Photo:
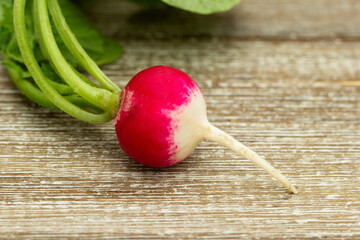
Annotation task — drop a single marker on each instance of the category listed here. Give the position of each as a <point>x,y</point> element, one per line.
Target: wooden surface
<point>281,76</point>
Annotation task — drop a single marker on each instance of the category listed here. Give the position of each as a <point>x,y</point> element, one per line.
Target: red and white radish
<point>163,117</point>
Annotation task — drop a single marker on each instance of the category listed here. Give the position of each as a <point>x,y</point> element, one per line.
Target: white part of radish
<point>192,126</point>
<point>189,121</point>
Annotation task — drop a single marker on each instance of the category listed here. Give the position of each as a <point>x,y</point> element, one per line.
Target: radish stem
<point>213,133</point>
<point>76,49</point>
<point>30,90</point>
<point>39,77</point>
<point>97,96</point>
<point>27,88</point>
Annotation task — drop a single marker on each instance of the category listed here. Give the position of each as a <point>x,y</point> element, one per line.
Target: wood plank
<point>281,76</point>
<point>287,100</point>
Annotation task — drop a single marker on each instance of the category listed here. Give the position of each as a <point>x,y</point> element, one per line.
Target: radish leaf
<point>203,6</point>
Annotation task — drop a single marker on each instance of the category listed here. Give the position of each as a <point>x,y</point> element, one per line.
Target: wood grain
<point>280,76</point>
<point>252,19</point>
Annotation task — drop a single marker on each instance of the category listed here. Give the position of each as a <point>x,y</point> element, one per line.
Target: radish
<point>162,114</point>
<point>163,117</point>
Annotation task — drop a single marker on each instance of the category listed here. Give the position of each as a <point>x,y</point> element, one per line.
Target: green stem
<point>45,53</point>
<point>63,89</point>
<point>34,93</point>
<point>96,96</point>
<point>28,89</point>
<point>38,75</point>
<point>79,101</point>
<point>76,49</point>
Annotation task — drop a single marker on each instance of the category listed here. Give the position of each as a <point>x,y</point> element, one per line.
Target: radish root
<point>214,134</point>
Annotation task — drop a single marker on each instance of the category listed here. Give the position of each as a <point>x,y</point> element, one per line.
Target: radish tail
<point>213,133</point>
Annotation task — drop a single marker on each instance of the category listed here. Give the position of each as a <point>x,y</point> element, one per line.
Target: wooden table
<point>281,76</point>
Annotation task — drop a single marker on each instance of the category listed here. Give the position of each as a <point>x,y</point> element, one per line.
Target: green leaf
<point>148,2</point>
<point>5,5</point>
<point>112,51</point>
<point>88,36</point>
<point>30,90</point>
<point>203,6</point>
<point>6,23</point>
<point>99,47</point>
<point>5,36</point>
<point>13,50</point>
<point>196,6</point>
<point>50,73</point>
<point>8,44</point>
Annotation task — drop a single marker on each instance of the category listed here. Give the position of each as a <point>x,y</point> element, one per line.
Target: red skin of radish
<point>145,124</point>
